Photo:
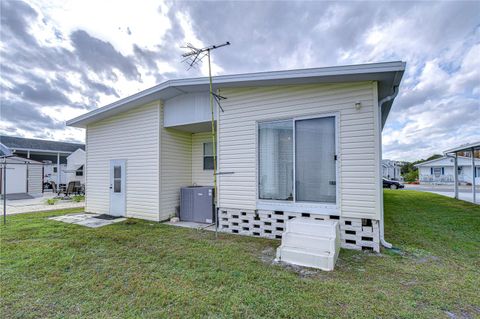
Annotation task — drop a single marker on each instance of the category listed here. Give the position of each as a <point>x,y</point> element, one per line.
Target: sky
<point>60,59</point>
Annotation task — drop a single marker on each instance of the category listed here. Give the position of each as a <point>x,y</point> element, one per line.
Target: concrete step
<point>312,227</point>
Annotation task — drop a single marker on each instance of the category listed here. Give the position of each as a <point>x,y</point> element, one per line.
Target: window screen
<point>275,143</point>
<point>315,179</point>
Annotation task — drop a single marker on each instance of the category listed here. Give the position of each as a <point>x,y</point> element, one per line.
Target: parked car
<point>392,184</point>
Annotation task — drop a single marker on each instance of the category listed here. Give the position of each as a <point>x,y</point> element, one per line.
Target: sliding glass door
<point>315,173</point>
<point>296,159</point>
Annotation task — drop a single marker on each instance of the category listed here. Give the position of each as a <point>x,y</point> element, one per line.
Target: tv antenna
<point>193,57</point>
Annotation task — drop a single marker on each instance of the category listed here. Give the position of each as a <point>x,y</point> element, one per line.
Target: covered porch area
<point>473,149</point>
<point>186,153</point>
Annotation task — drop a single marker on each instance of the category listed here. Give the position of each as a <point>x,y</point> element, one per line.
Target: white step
<point>312,227</point>
<point>310,243</point>
<point>296,256</point>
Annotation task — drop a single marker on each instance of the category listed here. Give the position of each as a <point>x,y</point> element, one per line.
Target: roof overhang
<point>428,163</point>
<point>40,152</point>
<point>387,74</point>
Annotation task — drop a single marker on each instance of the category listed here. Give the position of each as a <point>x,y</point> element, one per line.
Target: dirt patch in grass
<point>268,256</point>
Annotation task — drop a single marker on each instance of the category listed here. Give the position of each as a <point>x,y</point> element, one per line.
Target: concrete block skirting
<point>355,233</point>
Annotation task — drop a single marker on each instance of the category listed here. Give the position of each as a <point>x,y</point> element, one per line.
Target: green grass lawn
<point>145,269</point>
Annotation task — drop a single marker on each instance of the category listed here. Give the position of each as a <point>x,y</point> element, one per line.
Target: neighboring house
<point>52,154</point>
<point>289,144</point>
<point>392,170</point>
<point>441,171</point>
<point>24,176</point>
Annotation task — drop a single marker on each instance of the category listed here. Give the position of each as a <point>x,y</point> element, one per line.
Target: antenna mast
<point>193,57</point>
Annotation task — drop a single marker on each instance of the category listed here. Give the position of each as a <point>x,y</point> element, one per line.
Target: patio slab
<point>86,219</point>
<point>194,225</point>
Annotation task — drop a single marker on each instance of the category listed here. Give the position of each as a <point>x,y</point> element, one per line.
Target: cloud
<point>102,57</point>
<point>60,59</point>
<point>40,92</point>
<point>14,18</point>
<point>24,116</point>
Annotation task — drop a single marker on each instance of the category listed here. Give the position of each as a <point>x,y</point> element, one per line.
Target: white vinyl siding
<point>134,137</point>
<point>199,175</point>
<point>175,167</point>
<point>358,151</point>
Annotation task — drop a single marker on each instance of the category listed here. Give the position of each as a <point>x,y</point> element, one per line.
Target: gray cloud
<point>26,116</point>
<point>14,18</point>
<point>102,57</point>
<point>42,93</point>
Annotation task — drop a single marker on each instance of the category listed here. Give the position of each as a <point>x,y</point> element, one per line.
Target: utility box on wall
<point>196,204</point>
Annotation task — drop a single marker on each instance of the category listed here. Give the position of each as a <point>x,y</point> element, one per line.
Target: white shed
<point>23,176</point>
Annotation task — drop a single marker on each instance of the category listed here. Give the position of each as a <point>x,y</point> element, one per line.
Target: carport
<point>471,148</point>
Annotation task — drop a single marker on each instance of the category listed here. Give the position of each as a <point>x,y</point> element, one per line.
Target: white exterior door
<point>117,187</point>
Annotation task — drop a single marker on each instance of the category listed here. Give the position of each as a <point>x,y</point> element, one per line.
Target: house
<point>472,149</point>
<point>52,154</point>
<point>392,170</point>
<point>441,171</point>
<point>298,143</point>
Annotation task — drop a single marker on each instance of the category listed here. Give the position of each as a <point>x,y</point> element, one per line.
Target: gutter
<point>382,223</point>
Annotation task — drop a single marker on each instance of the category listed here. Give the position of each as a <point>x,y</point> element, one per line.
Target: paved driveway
<point>37,205</point>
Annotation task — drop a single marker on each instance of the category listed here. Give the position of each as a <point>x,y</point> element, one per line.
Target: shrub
<point>78,198</point>
<point>411,176</point>
<point>52,201</point>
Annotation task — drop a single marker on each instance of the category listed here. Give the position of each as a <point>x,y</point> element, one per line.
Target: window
<point>308,145</point>
<point>208,156</point>
<point>54,169</point>
<point>79,171</point>
<point>117,179</point>
<point>437,171</point>
<point>477,171</point>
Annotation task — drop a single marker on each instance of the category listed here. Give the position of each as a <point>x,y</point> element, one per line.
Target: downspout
<point>380,105</point>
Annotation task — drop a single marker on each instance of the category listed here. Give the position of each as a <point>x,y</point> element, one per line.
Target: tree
<point>411,176</point>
